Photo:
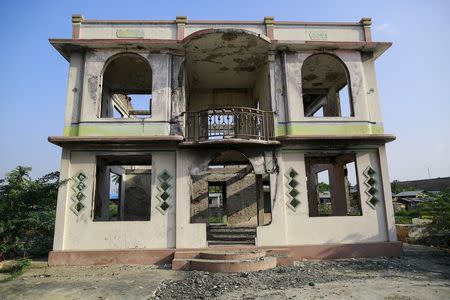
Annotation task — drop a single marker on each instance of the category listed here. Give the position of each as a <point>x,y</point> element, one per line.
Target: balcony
<point>229,123</point>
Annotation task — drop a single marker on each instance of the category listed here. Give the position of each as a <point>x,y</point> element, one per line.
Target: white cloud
<point>385,27</point>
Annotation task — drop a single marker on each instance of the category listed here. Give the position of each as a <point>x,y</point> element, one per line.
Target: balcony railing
<point>229,122</point>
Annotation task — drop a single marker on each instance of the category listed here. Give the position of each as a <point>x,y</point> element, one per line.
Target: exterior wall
<point>361,76</point>
<point>241,207</point>
<point>275,233</point>
<point>82,233</point>
<point>330,33</point>
<point>286,93</point>
<point>370,227</point>
<point>295,227</point>
<point>89,122</point>
<point>167,30</point>
<point>188,235</point>
<point>114,31</point>
<point>279,89</point>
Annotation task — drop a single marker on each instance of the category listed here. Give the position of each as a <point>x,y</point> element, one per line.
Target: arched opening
<point>228,94</point>
<point>127,87</point>
<point>231,198</point>
<point>326,87</point>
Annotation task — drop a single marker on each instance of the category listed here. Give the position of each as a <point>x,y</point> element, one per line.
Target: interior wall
<point>203,98</point>
<point>137,186</point>
<point>261,91</point>
<point>241,205</point>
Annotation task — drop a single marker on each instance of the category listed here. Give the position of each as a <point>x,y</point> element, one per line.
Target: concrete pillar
<point>293,73</point>
<point>74,91</point>
<point>63,201</point>
<point>101,208</point>
<point>337,190</point>
<point>188,235</point>
<point>259,199</point>
<point>387,195</point>
<point>313,198</point>
<point>272,88</point>
<point>161,70</point>
<point>92,84</point>
<point>178,95</point>
<point>275,233</point>
<point>332,106</point>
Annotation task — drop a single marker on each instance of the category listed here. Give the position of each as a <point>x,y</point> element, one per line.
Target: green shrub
<point>27,213</point>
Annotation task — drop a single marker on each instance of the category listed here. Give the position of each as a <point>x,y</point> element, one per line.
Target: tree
<point>323,187</point>
<point>27,212</point>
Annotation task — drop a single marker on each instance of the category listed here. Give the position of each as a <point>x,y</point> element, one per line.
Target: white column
<point>387,195</point>
<point>62,202</point>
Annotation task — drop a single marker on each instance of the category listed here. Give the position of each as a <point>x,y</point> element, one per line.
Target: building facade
<point>175,129</point>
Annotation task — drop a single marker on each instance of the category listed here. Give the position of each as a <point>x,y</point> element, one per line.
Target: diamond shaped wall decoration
<point>371,190</point>
<point>78,196</point>
<point>164,195</point>
<point>292,193</point>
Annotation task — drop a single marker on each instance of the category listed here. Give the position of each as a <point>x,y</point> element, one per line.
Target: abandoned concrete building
<point>182,137</point>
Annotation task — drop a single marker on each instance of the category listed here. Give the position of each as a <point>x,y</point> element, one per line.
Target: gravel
<point>417,263</point>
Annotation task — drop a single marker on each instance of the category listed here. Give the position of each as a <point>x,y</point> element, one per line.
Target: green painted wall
<point>117,129</point>
<point>328,129</point>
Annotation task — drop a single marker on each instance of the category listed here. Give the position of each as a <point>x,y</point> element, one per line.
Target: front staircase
<point>230,260</point>
<point>224,235</point>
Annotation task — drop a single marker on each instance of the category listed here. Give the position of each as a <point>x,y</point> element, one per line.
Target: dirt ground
<point>423,273</point>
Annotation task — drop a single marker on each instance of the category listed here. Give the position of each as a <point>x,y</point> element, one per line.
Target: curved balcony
<point>229,123</point>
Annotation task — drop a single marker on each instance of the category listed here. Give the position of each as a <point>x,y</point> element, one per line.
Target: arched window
<point>326,87</point>
<point>127,87</point>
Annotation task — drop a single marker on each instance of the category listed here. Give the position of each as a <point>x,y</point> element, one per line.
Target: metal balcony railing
<point>229,122</point>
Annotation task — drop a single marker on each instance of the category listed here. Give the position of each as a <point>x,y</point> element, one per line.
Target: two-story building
<point>221,135</point>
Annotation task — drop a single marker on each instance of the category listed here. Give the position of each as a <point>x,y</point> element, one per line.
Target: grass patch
<point>15,269</point>
<point>403,220</point>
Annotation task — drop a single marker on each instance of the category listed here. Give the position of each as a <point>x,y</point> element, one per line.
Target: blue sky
<point>412,76</point>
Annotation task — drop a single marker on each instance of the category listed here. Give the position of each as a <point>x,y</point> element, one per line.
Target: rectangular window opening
<point>332,185</point>
<point>123,188</point>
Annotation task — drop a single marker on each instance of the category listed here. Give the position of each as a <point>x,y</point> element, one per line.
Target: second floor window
<point>127,87</point>
<point>326,87</point>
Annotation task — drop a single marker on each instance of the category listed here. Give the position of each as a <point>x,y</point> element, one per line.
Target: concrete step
<point>229,266</point>
<point>232,242</point>
<point>232,255</point>
<point>231,229</point>
<point>230,237</point>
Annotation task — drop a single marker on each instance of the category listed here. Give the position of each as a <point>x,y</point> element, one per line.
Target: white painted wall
<point>307,32</point>
<point>303,230</point>
<point>82,233</point>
